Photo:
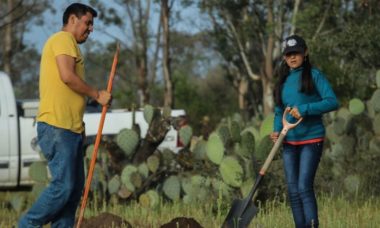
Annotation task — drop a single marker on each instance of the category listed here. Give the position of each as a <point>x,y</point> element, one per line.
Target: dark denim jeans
<point>301,163</point>
<point>58,202</point>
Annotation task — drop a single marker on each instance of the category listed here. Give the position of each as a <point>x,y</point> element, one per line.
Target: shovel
<point>242,211</point>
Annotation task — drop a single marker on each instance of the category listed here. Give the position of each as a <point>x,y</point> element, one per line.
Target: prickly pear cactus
<point>150,199</point>
<point>38,171</point>
<point>153,163</point>
<point>356,106</point>
<point>126,177</point>
<point>148,113</point>
<point>267,126</point>
<point>128,140</point>
<point>172,188</point>
<point>215,148</point>
<point>231,171</point>
<point>114,184</point>
<point>185,134</point>
<point>234,130</point>
<point>375,100</point>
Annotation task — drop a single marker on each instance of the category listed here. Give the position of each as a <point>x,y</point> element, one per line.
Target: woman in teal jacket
<point>307,92</point>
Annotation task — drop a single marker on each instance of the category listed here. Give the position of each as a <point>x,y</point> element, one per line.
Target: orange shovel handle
<point>97,141</point>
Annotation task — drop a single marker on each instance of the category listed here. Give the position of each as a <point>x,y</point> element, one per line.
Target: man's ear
<point>72,19</point>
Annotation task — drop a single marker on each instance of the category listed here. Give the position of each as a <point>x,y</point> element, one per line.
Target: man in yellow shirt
<point>60,119</point>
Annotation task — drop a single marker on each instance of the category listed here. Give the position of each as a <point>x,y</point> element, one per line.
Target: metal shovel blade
<point>240,214</point>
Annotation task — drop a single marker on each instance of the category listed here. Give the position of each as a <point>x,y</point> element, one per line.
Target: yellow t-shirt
<point>60,106</point>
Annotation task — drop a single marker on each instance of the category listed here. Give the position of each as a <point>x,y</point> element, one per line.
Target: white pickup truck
<point>18,133</point>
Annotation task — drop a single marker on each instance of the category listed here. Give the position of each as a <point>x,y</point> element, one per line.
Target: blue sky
<point>191,22</point>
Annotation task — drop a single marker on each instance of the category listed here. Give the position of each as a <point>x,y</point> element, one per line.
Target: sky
<point>39,34</point>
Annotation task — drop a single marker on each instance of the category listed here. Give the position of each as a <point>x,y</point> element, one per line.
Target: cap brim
<point>293,49</point>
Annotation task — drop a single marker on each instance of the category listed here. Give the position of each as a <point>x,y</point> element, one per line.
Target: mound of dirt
<point>182,222</point>
<point>105,220</point>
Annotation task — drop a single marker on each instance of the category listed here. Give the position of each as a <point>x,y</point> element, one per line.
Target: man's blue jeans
<point>301,163</point>
<point>58,202</point>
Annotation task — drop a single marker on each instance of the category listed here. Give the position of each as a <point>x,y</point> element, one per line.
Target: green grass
<point>334,212</point>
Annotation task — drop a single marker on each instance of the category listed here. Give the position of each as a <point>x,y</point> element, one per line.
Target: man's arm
<point>66,67</point>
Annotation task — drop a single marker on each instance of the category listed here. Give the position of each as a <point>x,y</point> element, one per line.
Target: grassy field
<point>335,212</point>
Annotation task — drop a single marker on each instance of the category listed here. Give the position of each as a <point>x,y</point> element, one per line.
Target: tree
<point>248,35</point>
<point>165,17</point>
<point>15,20</point>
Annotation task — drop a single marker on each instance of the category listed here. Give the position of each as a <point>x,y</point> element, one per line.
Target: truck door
<point>8,133</point>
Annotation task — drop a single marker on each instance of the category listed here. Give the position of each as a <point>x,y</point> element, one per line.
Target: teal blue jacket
<point>311,107</point>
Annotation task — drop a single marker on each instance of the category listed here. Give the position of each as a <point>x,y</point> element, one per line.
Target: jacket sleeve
<point>328,101</point>
<point>277,125</point>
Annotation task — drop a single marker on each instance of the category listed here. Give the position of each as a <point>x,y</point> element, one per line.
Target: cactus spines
<point>352,183</point>
<point>356,106</point>
<point>38,171</point>
<point>114,184</point>
<point>231,171</point>
<point>266,126</point>
<point>172,188</point>
<point>127,140</point>
<point>148,113</point>
<point>215,148</point>
<point>126,177</point>
<point>153,163</point>
<point>185,134</point>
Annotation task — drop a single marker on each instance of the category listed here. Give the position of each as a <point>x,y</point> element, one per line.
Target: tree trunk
<point>7,57</point>
<point>168,97</point>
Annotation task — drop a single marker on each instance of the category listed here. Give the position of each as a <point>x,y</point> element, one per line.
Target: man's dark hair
<point>78,10</point>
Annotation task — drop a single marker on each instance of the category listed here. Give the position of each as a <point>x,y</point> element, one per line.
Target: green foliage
<point>356,106</point>
<point>215,148</point>
<point>126,177</point>
<point>38,171</point>
<point>185,134</point>
<point>231,171</point>
<point>267,126</point>
<point>148,113</point>
<point>128,140</point>
<point>114,184</point>
<point>172,188</point>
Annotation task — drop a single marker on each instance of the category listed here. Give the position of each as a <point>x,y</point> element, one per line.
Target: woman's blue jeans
<point>58,202</point>
<point>301,163</point>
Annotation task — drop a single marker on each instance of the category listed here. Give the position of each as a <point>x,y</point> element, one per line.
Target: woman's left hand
<point>295,113</point>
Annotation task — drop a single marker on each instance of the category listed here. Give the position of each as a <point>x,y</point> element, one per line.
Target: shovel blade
<point>240,214</point>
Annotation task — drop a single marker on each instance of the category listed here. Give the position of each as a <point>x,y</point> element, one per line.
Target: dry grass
<point>335,212</point>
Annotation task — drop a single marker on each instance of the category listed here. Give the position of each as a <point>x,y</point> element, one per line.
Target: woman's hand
<point>274,136</point>
<point>295,113</point>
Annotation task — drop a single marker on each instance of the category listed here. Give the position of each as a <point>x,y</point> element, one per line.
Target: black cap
<point>294,43</point>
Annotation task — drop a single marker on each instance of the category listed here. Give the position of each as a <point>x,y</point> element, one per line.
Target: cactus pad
<point>215,148</point>
<point>231,171</point>
<point>128,140</point>
<point>356,106</point>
